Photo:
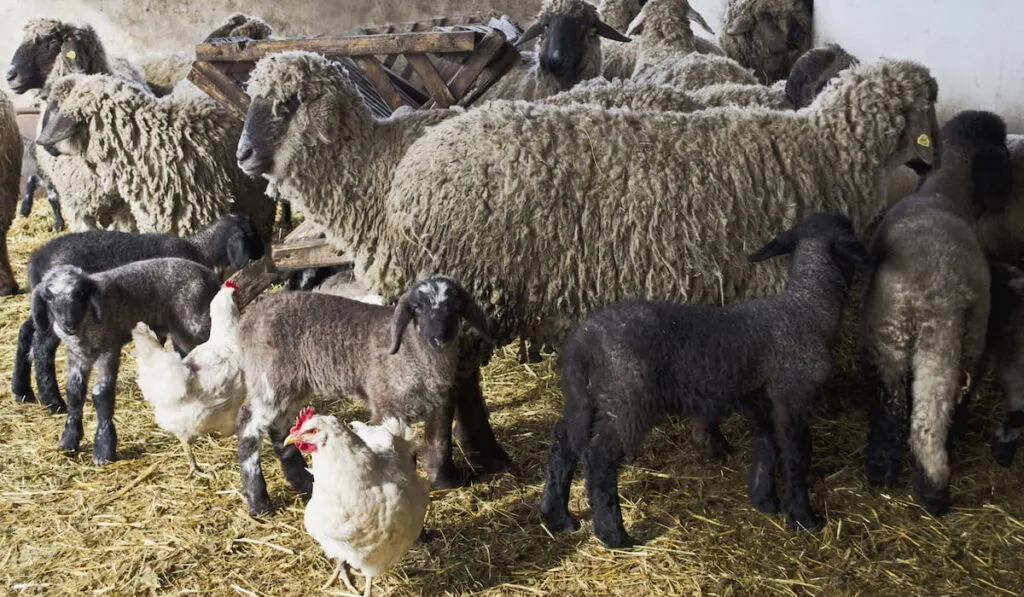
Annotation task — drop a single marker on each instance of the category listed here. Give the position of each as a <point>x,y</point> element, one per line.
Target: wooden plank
<point>366,45</point>
<point>220,87</point>
<point>490,74</point>
<point>305,254</point>
<point>490,47</point>
<point>254,278</point>
<point>379,77</point>
<point>307,230</point>
<point>440,93</point>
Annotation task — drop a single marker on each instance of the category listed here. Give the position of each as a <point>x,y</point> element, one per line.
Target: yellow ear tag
<point>924,141</point>
<point>71,54</point>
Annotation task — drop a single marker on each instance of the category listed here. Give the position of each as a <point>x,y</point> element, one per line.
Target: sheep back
<point>694,71</point>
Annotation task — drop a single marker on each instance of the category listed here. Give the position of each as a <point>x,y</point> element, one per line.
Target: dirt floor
<point>140,526</point>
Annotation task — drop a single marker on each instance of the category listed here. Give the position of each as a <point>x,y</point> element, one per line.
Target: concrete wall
<point>134,27</point>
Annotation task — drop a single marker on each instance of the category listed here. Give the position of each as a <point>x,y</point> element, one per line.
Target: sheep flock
<point>692,225</point>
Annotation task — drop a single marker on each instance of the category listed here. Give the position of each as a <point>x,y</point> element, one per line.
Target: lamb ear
<point>40,310</point>
<point>992,173</point>
<point>852,249</point>
<point>920,131</point>
<point>608,32</point>
<point>531,32</point>
<point>636,26</point>
<point>1017,285</point>
<point>238,252</point>
<point>472,313</point>
<point>694,16</point>
<point>403,315</point>
<point>780,245</point>
<point>95,300</point>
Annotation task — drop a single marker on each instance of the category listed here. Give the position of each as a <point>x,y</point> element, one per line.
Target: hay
<point>140,526</point>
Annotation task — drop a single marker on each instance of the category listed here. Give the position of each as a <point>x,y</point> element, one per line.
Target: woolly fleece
<point>772,35</point>
<point>10,185</point>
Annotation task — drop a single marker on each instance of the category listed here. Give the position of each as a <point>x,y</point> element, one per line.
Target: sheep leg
<point>21,376</point>
<point>437,432</point>
<point>554,501</point>
<point>44,357</point>
<point>472,425</point>
<point>254,486</point>
<point>761,476</point>
<point>1004,445</point>
<point>601,471</point>
<point>104,447</point>
<point>888,429</point>
<point>54,200</point>
<point>793,436</point>
<point>31,184</point>
<point>292,463</point>
<point>78,379</point>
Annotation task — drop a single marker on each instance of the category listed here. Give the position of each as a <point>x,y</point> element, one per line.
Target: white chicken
<point>202,392</point>
<point>368,502</point>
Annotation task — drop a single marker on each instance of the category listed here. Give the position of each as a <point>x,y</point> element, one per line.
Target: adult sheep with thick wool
<point>10,183</point>
<point>618,59</point>
<point>767,35</point>
<point>671,223</point>
<point>667,48</point>
<point>171,158</point>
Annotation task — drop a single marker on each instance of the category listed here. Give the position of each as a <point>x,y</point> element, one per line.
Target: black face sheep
<point>1005,353</point>
<point>927,304</point>
<point>229,243</point>
<point>629,365</point>
<point>94,314</point>
<point>402,360</point>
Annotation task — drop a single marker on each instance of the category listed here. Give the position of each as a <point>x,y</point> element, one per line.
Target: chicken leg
<point>193,468</point>
<point>341,570</point>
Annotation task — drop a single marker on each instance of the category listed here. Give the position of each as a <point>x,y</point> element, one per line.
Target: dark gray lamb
<point>628,366</point>
<point>94,314</point>
<point>927,305</point>
<point>230,242</point>
<point>1005,354</point>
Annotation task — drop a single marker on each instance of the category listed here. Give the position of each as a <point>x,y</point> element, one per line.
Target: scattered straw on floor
<point>140,526</point>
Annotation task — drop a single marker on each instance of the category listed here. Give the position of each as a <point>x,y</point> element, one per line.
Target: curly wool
<point>668,98</point>
<point>534,210</point>
<point>10,181</point>
<point>694,71</point>
<point>738,94</point>
<point>618,58</point>
<point>172,159</point>
<point>766,35</point>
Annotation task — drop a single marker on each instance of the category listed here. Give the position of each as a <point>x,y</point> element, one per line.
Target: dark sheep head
<point>64,297</point>
<point>833,230</point>
<point>59,131</point>
<point>813,70</point>
<point>49,43</point>
<point>567,30</point>
<point>980,137</point>
<point>244,242</point>
<point>436,304</point>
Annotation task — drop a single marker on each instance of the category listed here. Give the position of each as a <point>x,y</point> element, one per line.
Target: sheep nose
<point>243,153</point>
<point>12,74</point>
<point>556,60</point>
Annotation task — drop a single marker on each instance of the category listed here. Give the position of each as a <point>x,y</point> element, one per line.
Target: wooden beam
<point>254,278</point>
<point>490,74</point>
<point>440,93</point>
<point>490,47</point>
<point>308,253</point>
<point>379,77</point>
<point>366,45</point>
<point>220,87</point>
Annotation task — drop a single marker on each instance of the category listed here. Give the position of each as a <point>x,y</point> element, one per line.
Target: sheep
<point>818,65</point>
<point>1004,354</point>
<point>10,183</point>
<point>629,365</point>
<point>618,59</point>
<point>301,344</point>
<point>93,314</point>
<point>927,304</point>
<point>170,157</point>
<point>767,35</point>
<point>568,52</point>
<point>33,180</point>
<point>230,242</point>
<point>668,48</point>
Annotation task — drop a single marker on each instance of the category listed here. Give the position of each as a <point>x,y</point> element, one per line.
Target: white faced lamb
<point>767,35</point>
<point>229,243</point>
<point>629,365</point>
<point>93,314</point>
<point>568,51</point>
<point>1005,354</point>
<point>297,345</point>
<point>927,304</point>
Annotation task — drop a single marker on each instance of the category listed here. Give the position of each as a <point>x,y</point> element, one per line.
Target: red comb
<point>304,415</point>
<point>230,284</point>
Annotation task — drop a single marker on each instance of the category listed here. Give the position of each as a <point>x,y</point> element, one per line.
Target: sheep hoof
<point>617,540</point>
<point>449,477</point>
<point>933,498</point>
<point>260,507</point>
<point>767,505</point>
<point>1003,452</point>
<point>9,289</point>
<point>806,520</point>
<point>560,522</point>
<point>57,408</point>
<point>70,440</point>
<point>26,398</point>
<point>881,475</point>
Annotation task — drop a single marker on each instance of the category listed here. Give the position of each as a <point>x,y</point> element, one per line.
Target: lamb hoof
<point>426,535</point>
<point>26,398</point>
<point>260,508</point>
<point>806,520</point>
<point>70,441</point>
<point>449,477</point>
<point>57,408</point>
<point>9,289</point>
<point>766,505</point>
<point>25,210</point>
<point>718,450</point>
<point>1003,452</point>
<point>934,499</point>
<point>99,460</point>
<point>618,540</point>
<point>880,475</point>
<point>560,522</point>
<point>490,464</point>
<point>58,225</point>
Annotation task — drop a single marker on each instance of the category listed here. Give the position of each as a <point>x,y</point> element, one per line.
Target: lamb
<point>10,183</point>
<point>668,49</point>
<point>629,365</point>
<point>1004,354</point>
<point>33,180</point>
<point>301,344</point>
<point>568,52</point>
<point>927,304</point>
<point>93,314</point>
<point>170,158</point>
<point>229,243</point>
<point>767,35</point>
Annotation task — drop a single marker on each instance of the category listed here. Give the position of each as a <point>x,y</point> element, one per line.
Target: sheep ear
<point>472,313</point>
<point>238,252</point>
<point>919,131</point>
<point>694,16</point>
<point>608,32</point>
<point>72,56</point>
<point>95,301</point>
<point>636,26</point>
<point>851,249</point>
<point>531,32</point>
<point>780,245</point>
<point>403,315</point>
<point>40,311</point>
<point>992,172</point>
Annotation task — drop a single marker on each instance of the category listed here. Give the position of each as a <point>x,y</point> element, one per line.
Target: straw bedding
<point>140,526</point>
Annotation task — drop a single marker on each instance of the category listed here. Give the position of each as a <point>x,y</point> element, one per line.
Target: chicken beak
<point>291,440</point>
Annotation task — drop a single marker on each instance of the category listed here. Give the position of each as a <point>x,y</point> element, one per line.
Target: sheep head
<point>64,297</point>
<point>436,304</point>
<point>568,47</point>
<point>832,232</point>
<point>813,70</point>
<point>767,35</point>
<point>667,20</point>
<point>300,100</point>
<point>976,139</point>
<point>51,46</point>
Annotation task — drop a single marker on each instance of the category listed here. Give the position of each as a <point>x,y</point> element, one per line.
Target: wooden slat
<point>409,92</point>
<point>220,87</point>
<point>490,74</point>
<point>255,278</point>
<point>490,46</point>
<point>309,253</point>
<point>440,93</point>
<point>379,77</point>
<point>366,45</point>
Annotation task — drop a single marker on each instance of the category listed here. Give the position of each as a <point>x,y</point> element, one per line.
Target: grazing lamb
<point>628,366</point>
<point>1005,354</point>
<point>296,345</point>
<point>569,51</point>
<point>767,35</point>
<point>93,314</point>
<point>226,245</point>
<point>667,43</point>
<point>10,184</point>
<point>170,158</point>
<point>927,304</point>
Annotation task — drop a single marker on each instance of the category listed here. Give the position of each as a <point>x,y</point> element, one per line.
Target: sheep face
<point>48,43</point>
<point>832,232</point>
<point>244,241</point>
<point>64,297</point>
<point>263,135</point>
<point>60,134</point>
<point>436,304</point>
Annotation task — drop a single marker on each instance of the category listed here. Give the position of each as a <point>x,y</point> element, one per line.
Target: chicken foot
<point>193,468</point>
